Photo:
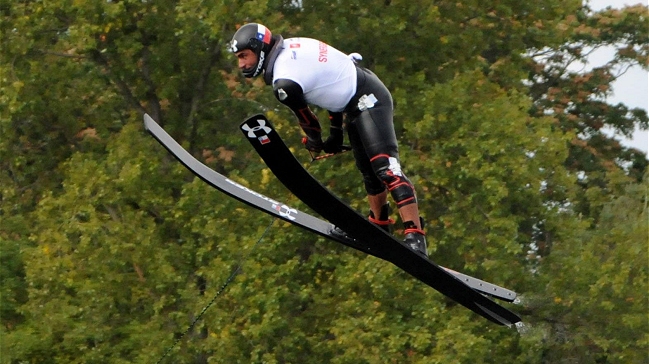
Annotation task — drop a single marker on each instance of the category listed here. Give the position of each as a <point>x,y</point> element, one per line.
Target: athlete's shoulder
<point>302,43</point>
<point>304,40</point>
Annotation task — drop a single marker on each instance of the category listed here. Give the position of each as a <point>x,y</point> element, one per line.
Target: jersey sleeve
<point>290,93</point>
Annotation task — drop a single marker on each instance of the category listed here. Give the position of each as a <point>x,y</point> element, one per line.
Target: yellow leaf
<point>265,176</point>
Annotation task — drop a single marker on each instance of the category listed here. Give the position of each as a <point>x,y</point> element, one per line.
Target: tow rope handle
<point>314,157</point>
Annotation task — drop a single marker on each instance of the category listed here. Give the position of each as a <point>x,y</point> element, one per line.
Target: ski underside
<point>464,289</point>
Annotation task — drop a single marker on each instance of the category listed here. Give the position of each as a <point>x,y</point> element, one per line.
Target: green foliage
<point>110,249</point>
<point>12,291</point>
<point>489,167</point>
<point>577,98</point>
<point>597,279</point>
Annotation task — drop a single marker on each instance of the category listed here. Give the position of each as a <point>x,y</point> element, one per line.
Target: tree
<point>113,248</point>
<point>577,97</point>
<point>594,306</point>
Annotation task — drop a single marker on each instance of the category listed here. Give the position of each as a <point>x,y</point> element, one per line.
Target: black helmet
<point>258,39</point>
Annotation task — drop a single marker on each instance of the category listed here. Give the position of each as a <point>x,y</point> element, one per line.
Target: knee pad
<point>388,170</point>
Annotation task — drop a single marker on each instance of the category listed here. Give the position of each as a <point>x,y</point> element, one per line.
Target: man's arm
<point>334,142</point>
<point>290,94</point>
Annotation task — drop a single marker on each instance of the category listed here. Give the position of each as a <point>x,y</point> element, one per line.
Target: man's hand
<point>334,142</point>
<point>313,145</point>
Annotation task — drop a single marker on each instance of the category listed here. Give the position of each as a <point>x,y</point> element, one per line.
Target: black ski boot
<point>384,221</point>
<point>415,238</point>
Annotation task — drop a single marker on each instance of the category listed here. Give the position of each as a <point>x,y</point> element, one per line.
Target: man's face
<point>247,59</point>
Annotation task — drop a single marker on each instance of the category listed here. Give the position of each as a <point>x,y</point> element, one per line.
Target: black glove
<point>334,142</point>
<point>313,145</point>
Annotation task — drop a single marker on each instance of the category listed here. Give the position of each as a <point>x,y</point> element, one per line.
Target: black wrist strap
<point>336,120</point>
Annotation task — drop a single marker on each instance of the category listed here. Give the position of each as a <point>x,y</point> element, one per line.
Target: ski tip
<point>147,121</point>
<point>509,321</point>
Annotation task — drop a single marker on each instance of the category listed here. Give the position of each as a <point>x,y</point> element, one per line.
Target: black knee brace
<point>388,170</point>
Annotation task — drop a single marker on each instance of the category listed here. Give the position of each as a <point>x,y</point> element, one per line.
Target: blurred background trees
<point>110,248</point>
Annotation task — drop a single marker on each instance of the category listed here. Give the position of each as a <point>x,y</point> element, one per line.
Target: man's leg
<point>372,135</point>
<point>408,213</point>
<point>377,202</point>
<point>411,213</point>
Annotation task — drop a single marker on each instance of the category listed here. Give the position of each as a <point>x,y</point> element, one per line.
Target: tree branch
<point>99,58</point>
<point>64,55</point>
<point>151,93</point>
<point>214,55</point>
